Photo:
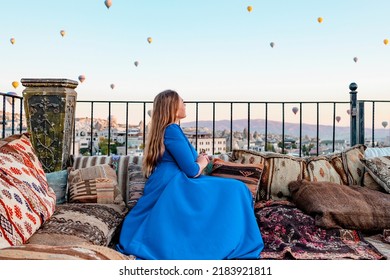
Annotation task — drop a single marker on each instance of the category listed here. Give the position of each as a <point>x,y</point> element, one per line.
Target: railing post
<point>361,122</point>
<point>353,93</point>
<point>49,105</point>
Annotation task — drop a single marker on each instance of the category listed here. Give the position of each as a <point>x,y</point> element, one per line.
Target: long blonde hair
<point>165,107</point>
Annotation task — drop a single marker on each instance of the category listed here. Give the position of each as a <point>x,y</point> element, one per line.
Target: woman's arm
<point>177,145</point>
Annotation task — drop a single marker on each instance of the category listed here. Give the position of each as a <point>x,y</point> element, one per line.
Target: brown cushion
<point>246,173</point>
<point>353,166</point>
<point>136,185</point>
<point>379,169</point>
<point>81,223</point>
<point>94,184</point>
<point>279,170</point>
<point>369,182</point>
<point>341,206</point>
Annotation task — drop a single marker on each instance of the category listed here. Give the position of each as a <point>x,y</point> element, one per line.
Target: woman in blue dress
<point>182,214</point>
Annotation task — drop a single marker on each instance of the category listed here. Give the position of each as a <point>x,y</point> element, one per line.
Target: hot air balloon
<point>149,40</point>
<point>249,8</point>
<point>12,40</point>
<point>338,118</point>
<point>385,41</point>
<point>10,99</point>
<point>15,84</point>
<point>295,110</point>
<point>272,44</point>
<point>62,32</point>
<point>355,59</point>
<point>384,124</point>
<point>81,78</point>
<point>108,3</point>
<point>136,63</point>
<point>319,19</point>
<point>348,111</point>
<point>112,86</point>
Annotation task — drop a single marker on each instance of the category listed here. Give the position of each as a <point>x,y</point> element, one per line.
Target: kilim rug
<point>289,233</point>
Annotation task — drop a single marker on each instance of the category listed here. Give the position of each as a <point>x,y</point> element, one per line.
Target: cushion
<point>369,182</point>
<point>247,173</point>
<point>26,200</point>
<point>58,181</point>
<point>379,169</point>
<point>341,206</point>
<point>136,185</point>
<point>81,223</point>
<point>278,171</point>
<point>319,169</point>
<point>69,252</point>
<point>120,164</point>
<point>352,164</point>
<point>94,184</point>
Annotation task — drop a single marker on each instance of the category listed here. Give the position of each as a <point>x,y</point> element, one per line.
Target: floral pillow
<point>379,169</point>
<point>319,169</point>
<point>26,200</point>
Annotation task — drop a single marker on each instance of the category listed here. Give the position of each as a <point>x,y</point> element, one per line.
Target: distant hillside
<point>292,129</point>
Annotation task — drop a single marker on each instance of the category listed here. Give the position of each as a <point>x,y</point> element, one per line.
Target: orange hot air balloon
<point>15,84</point>
<point>149,39</point>
<point>108,3</point>
<point>319,19</point>
<point>295,110</point>
<point>385,41</point>
<point>62,32</point>
<point>12,40</point>
<point>81,78</point>
<point>249,8</point>
<point>338,118</point>
<point>112,86</point>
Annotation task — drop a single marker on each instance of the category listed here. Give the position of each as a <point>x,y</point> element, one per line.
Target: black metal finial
<point>353,86</point>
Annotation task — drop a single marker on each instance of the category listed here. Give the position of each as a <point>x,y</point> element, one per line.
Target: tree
<point>103,146</point>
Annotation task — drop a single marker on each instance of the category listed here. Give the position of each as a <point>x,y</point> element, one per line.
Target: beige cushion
<point>279,170</point>
<point>319,169</point>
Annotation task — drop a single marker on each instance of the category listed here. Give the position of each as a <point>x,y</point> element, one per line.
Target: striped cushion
<point>120,163</point>
<point>94,184</point>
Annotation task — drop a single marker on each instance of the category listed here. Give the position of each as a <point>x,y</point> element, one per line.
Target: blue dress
<point>185,218</point>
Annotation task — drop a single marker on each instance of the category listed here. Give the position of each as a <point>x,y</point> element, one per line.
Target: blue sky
<point>206,50</point>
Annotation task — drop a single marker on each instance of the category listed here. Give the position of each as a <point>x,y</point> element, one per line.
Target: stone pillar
<point>49,105</point>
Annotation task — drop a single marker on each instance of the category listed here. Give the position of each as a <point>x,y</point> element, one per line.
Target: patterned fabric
<point>94,184</point>
<point>70,252</point>
<point>319,169</point>
<point>120,164</point>
<point>278,171</point>
<point>247,173</point>
<point>58,181</point>
<point>336,161</point>
<point>370,183</point>
<point>353,165</point>
<point>288,233</point>
<point>340,206</point>
<point>379,169</point>
<point>136,185</point>
<point>81,223</point>
<point>26,200</point>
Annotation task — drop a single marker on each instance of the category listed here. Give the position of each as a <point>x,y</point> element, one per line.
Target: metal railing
<point>252,111</point>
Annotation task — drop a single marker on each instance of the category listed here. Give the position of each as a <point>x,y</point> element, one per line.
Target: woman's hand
<point>202,161</point>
